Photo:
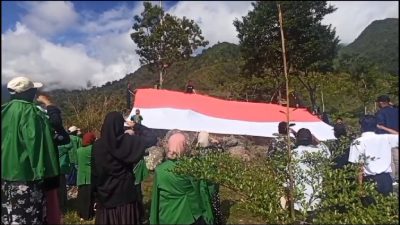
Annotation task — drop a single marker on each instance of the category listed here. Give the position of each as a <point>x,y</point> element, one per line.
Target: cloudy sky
<point>67,44</point>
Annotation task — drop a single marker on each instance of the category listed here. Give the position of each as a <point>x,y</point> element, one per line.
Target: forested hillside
<point>379,43</point>
<point>217,72</point>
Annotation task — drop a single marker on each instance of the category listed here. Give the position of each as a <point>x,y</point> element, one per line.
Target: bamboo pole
<point>322,99</point>
<point>159,56</point>
<point>287,116</point>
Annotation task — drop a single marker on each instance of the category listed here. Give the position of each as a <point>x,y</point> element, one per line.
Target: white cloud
<point>215,18</point>
<point>50,17</point>
<point>44,61</point>
<point>106,54</point>
<point>352,17</point>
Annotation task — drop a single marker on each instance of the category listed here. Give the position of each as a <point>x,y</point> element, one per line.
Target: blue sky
<point>66,44</point>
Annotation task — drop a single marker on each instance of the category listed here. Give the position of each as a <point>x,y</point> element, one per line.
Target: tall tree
<point>363,76</point>
<point>163,39</point>
<point>311,46</point>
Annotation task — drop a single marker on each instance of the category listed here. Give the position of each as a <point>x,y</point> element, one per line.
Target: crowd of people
<point>42,162</point>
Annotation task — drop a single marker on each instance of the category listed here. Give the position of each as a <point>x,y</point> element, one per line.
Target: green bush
<point>260,183</point>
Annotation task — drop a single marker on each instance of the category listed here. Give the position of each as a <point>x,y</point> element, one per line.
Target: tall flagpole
<point>159,56</point>
<point>291,186</point>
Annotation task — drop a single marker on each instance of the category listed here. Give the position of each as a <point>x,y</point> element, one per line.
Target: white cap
<point>73,129</point>
<point>21,84</point>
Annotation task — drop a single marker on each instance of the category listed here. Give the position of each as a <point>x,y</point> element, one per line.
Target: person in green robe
<point>178,199</point>
<point>65,169</point>
<point>76,142</point>
<point>85,196</point>
<point>29,158</point>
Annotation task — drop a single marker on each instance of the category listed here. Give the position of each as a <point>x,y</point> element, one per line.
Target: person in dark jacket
<point>114,156</point>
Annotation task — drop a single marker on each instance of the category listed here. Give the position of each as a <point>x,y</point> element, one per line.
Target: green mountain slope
<point>379,43</point>
<point>213,72</point>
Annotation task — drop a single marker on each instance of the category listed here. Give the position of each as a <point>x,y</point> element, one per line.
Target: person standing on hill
<point>137,118</point>
<point>76,142</point>
<point>30,166</point>
<point>373,153</point>
<point>388,117</point>
<point>114,155</point>
<point>85,200</point>
<point>178,199</point>
<point>190,88</point>
<point>279,143</point>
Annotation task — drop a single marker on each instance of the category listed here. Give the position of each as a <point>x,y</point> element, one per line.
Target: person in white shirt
<point>373,152</point>
<point>308,176</point>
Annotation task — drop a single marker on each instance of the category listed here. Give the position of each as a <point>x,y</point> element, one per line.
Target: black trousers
<point>384,184</point>
<point>62,193</point>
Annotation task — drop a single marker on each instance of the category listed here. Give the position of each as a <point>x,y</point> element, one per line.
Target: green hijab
<point>28,152</point>
<point>178,199</point>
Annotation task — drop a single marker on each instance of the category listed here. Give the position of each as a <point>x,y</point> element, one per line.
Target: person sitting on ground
<point>178,199</point>
<point>29,158</point>
<point>85,199</point>
<point>373,153</point>
<point>114,155</point>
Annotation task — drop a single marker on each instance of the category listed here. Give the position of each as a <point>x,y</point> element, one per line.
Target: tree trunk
<point>322,100</point>
<point>313,97</point>
<point>161,78</point>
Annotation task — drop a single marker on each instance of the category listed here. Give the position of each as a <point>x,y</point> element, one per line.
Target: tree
<point>163,39</point>
<point>311,46</point>
<point>363,76</point>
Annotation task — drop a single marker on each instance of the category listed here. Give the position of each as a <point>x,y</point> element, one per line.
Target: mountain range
<point>219,64</point>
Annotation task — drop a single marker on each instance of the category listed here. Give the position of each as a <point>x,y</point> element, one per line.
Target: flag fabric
<point>165,109</point>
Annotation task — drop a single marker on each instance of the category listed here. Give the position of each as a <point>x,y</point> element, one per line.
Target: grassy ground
<point>233,212</point>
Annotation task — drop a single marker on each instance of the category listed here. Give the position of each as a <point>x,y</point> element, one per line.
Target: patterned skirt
<point>216,204</point>
<point>22,203</point>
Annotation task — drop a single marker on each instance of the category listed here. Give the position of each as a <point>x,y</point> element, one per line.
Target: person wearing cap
<point>76,142</point>
<point>84,199</point>
<point>388,117</point>
<point>373,153</point>
<point>305,147</point>
<point>29,157</point>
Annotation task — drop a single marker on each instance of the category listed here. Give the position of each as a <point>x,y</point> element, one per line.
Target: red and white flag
<point>164,109</point>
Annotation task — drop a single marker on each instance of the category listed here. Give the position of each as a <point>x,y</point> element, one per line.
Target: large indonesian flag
<point>163,109</point>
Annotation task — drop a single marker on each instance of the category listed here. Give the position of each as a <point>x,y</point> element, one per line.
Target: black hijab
<point>114,141</point>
